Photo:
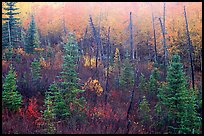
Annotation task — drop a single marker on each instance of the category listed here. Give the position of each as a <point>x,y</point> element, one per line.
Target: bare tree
<point>131,39</point>
<point>155,42</point>
<point>164,41</point>
<point>97,40</point>
<point>190,48</point>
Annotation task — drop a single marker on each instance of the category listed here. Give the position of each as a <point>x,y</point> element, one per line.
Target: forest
<point>101,67</point>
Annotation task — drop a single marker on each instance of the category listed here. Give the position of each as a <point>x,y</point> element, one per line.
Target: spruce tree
<point>179,101</point>
<point>32,40</point>
<point>69,84</point>
<point>127,77</point>
<point>66,91</point>
<point>48,114</point>
<point>11,98</point>
<point>144,112</point>
<point>153,83</point>
<point>35,70</point>
<point>10,29</point>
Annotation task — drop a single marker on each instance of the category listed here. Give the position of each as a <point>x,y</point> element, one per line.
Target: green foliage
<point>65,99</point>
<point>179,101</point>
<point>32,40</point>
<point>144,112</point>
<point>127,78</point>
<point>48,114</point>
<point>153,82</point>
<point>8,54</point>
<point>143,84</point>
<point>11,25</point>
<point>11,98</point>
<point>35,70</point>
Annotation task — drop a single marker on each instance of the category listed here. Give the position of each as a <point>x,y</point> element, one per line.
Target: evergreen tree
<point>35,70</point>
<point>10,29</point>
<point>48,114</point>
<point>179,101</point>
<point>154,83</point>
<point>66,91</point>
<point>11,98</point>
<point>142,84</point>
<point>127,78</point>
<point>32,40</point>
<point>144,112</point>
<point>69,84</point>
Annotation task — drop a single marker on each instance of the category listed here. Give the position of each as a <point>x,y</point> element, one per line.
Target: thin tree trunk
<point>108,59</point>
<point>131,101</point>
<point>9,32</point>
<point>190,49</point>
<point>131,39</point>
<point>155,42</point>
<point>107,76</point>
<point>165,48</point>
<point>96,38</point>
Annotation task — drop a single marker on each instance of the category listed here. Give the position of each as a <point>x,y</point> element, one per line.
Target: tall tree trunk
<point>131,39</point>
<point>131,100</point>
<point>9,33</point>
<point>165,48</point>
<point>107,76</point>
<point>96,38</point>
<point>155,42</point>
<point>108,60</point>
<point>190,48</point>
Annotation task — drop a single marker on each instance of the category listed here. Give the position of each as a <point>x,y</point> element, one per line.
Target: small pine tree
<point>32,40</point>
<point>35,70</point>
<point>48,114</point>
<point>144,112</point>
<point>142,85</point>
<point>60,108</point>
<point>179,101</point>
<point>153,83</point>
<point>127,77</point>
<point>11,98</point>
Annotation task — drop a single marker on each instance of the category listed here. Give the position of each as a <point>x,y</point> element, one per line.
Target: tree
<point>127,77</point>
<point>144,112</point>
<point>190,49</point>
<point>32,40</point>
<point>142,85</point>
<point>154,82</point>
<point>11,98</point>
<point>164,40</point>
<point>48,113</point>
<point>10,29</point>
<point>66,91</point>
<point>35,70</point>
<point>179,101</point>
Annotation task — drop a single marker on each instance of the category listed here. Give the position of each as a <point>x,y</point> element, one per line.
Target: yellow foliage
<point>89,62</point>
<point>39,49</point>
<point>94,86</point>
<point>116,56</point>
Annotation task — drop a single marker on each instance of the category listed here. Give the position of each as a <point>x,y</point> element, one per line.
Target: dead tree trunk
<point>131,39</point>
<point>107,76</point>
<point>165,48</point>
<point>190,48</point>
<point>108,59</point>
<point>96,38</point>
<point>9,33</point>
<point>155,42</point>
<point>131,101</point>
